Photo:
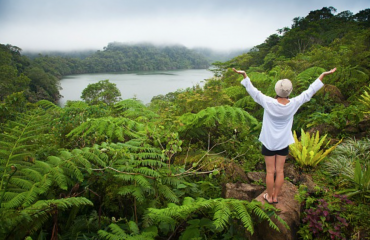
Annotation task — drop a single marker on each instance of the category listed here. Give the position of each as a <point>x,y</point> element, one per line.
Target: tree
<point>102,91</point>
<point>11,82</point>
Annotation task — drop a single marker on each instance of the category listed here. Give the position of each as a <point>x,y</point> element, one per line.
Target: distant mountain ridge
<point>121,57</point>
<point>211,55</point>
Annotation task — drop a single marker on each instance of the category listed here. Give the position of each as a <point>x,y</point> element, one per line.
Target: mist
<point>42,25</point>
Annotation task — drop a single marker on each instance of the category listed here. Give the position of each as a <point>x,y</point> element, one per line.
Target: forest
<point>106,168</point>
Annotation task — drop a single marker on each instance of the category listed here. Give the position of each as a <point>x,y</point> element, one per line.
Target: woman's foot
<point>267,198</point>
<point>274,200</point>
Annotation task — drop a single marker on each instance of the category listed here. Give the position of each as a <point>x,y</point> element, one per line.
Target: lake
<point>142,84</point>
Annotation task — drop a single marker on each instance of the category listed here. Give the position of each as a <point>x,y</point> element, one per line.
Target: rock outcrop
<point>289,212</point>
<point>289,208</point>
<point>242,191</point>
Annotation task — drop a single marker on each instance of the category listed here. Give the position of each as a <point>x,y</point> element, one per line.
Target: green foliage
<point>310,150</point>
<point>359,177</point>
<point>354,76</point>
<point>365,99</point>
<point>132,169</point>
<point>106,129</point>
<point>195,99</point>
<point>117,231</point>
<point>43,85</point>
<point>82,226</point>
<point>47,105</point>
<point>134,109</point>
<point>25,180</point>
<point>350,164</point>
<point>222,129</point>
<point>101,92</point>
<point>212,117</point>
<point>325,217</point>
<point>125,57</point>
<point>340,118</point>
<point>246,103</point>
<point>223,210</point>
<point>305,78</point>
<point>13,104</point>
<point>11,81</point>
<point>235,92</point>
<point>72,116</point>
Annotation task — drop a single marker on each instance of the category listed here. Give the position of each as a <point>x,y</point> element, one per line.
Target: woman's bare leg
<point>280,160</point>
<point>270,171</point>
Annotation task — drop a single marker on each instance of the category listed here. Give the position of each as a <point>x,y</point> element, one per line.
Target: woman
<point>276,134</point>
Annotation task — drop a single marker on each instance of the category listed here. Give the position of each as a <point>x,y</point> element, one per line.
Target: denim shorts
<point>281,152</point>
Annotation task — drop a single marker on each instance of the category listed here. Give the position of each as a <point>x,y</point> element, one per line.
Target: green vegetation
<point>118,169</point>
<point>101,92</point>
<point>311,150</point>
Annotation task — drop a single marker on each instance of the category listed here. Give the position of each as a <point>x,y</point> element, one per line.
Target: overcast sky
<point>92,24</point>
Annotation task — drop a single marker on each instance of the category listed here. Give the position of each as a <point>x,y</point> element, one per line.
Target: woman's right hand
<point>327,73</point>
<point>240,72</point>
<point>330,72</point>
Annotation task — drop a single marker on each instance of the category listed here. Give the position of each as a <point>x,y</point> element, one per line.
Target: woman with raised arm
<point>276,134</point>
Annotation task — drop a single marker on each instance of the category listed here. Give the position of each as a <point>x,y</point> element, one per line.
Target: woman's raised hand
<point>330,72</point>
<point>240,72</point>
<point>327,73</point>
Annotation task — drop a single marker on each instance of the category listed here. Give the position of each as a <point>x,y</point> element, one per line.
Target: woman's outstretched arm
<point>257,96</point>
<point>313,88</point>
<point>327,73</point>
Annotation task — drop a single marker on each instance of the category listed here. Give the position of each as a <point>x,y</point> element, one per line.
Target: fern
<point>305,78</point>
<point>113,129</point>
<point>16,146</point>
<point>47,105</point>
<point>82,227</point>
<point>25,181</point>
<point>213,116</point>
<point>235,92</point>
<point>118,232</point>
<point>246,102</point>
<point>223,210</point>
<point>145,164</point>
<point>134,109</point>
<point>30,219</point>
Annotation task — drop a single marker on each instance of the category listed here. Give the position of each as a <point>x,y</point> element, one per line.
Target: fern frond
<point>221,215</point>
<point>115,129</point>
<point>133,227</point>
<point>166,192</point>
<point>119,234</point>
<point>213,116</point>
<point>47,105</point>
<point>134,109</point>
<point>222,209</point>
<point>305,78</point>
<point>244,216</point>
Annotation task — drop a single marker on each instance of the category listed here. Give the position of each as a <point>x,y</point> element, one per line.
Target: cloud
<point>86,24</point>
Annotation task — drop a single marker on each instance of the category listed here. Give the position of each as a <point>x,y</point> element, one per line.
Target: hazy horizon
<point>81,50</point>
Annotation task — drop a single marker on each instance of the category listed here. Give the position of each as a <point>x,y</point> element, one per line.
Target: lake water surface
<point>143,85</point>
